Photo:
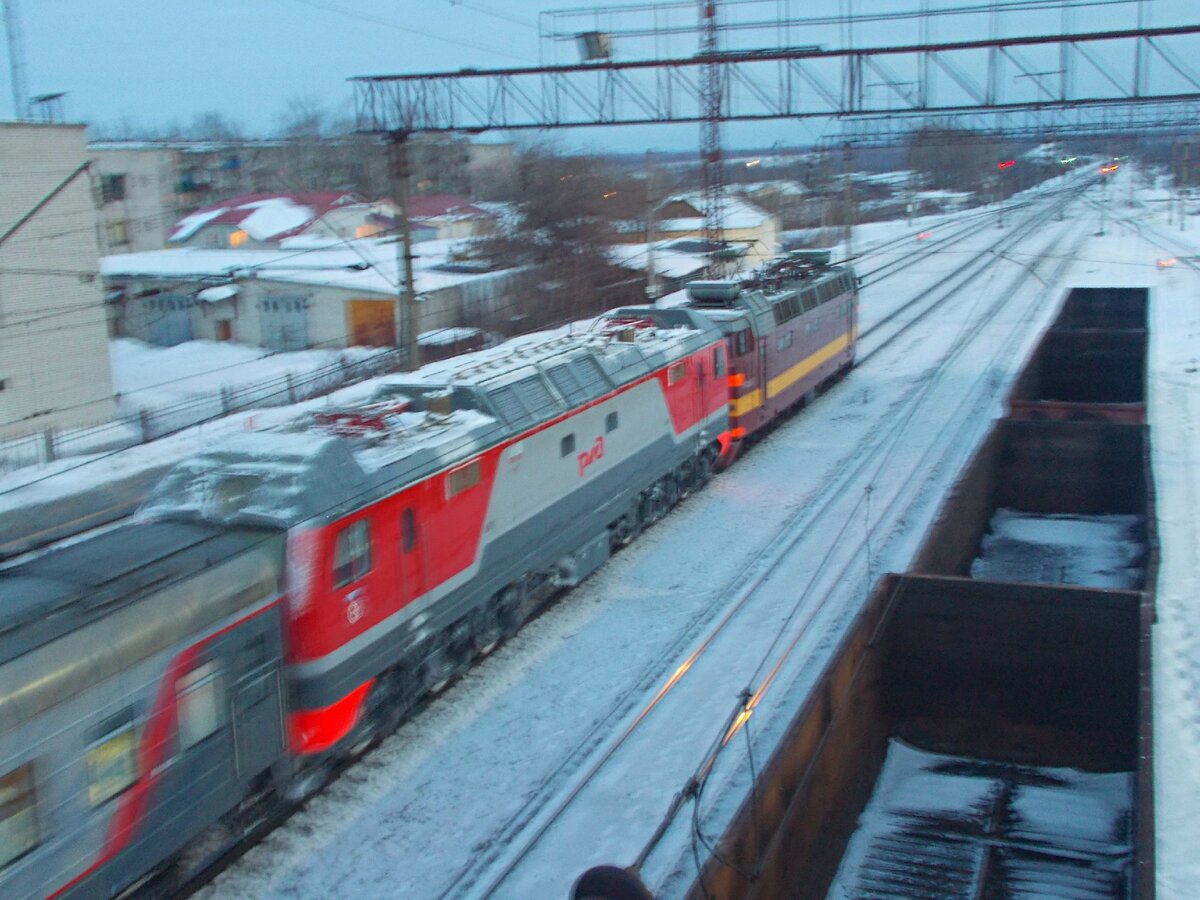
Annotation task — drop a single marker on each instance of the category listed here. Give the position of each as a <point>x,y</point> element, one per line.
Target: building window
<point>352,553</point>
<point>112,759</point>
<point>567,445</point>
<point>112,187</point>
<point>237,238</point>
<point>463,478</point>
<point>676,372</point>
<point>18,814</point>
<point>610,423</point>
<point>200,705</point>
<point>117,233</point>
<point>366,231</point>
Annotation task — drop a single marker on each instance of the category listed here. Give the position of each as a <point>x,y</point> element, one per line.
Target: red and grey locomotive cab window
<point>352,553</point>
<point>18,814</point>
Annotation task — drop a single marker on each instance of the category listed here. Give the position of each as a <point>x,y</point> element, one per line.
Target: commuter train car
<point>791,329</point>
<point>140,700</point>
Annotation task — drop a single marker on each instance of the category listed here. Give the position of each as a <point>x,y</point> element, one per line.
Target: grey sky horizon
<point>149,66</point>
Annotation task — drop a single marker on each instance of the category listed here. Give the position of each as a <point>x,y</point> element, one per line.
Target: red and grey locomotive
<point>286,597</point>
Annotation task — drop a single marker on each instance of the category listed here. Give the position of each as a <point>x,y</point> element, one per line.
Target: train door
<point>412,555</point>
<point>256,707</point>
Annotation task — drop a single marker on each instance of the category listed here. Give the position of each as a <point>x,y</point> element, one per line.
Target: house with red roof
<point>257,221</point>
<point>443,217</point>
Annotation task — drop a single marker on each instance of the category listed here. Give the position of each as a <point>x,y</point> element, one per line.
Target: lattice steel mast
<point>711,172</point>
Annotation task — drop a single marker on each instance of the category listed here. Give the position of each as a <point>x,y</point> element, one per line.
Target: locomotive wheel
<point>438,671</point>
<point>487,631</point>
<point>670,492</point>
<point>685,476</point>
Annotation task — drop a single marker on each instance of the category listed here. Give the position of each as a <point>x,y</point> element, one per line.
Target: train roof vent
<point>713,293</point>
<point>537,397</point>
<point>566,380</point>
<point>509,405</point>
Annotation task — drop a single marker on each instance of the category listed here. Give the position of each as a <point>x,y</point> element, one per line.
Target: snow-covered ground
<point>447,804</point>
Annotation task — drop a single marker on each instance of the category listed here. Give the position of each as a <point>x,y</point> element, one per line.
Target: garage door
<point>284,322</point>
<point>372,323</point>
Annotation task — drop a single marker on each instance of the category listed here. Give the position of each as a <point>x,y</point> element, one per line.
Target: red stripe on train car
<point>160,727</point>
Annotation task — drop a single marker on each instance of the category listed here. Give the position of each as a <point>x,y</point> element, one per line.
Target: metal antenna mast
<point>16,59</point>
<point>711,172</point>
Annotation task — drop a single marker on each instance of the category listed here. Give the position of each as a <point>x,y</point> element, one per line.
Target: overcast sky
<point>153,62</point>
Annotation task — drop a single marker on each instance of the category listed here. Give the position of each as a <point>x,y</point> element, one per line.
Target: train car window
<point>785,341</point>
<point>18,814</point>
<point>567,446</point>
<point>352,552</point>
<point>809,300</point>
<point>741,342</point>
<point>719,362</point>
<point>200,708</point>
<point>408,529</point>
<point>794,308</point>
<point>112,758</point>
<point>610,423</point>
<point>780,313</point>
<point>676,372</point>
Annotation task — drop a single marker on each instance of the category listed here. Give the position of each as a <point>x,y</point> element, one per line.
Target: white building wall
<point>54,364</point>
<point>149,208</point>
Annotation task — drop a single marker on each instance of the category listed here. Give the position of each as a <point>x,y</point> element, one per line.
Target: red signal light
<point>1006,164</point>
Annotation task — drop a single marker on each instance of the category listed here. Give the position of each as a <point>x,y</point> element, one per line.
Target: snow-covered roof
<point>265,217</point>
<point>444,337</point>
<point>783,187</point>
<point>363,265</point>
<point>667,262</point>
<point>445,206</point>
<point>736,212</point>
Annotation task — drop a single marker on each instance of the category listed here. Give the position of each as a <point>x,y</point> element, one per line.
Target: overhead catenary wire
<point>408,29</point>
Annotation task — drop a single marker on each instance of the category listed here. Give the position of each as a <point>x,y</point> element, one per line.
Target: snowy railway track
<point>874,338</point>
<point>739,605</point>
<point>629,735</point>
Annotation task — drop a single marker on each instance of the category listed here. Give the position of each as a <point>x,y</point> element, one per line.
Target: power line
<point>483,48</point>
<point>489,12</point>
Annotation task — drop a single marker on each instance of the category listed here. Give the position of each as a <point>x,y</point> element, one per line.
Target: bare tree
<point>566,226</point>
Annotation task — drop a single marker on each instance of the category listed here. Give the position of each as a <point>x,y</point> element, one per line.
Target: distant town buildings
<point>54,364</point>
<point>256,221</point>
<point>303,295</point>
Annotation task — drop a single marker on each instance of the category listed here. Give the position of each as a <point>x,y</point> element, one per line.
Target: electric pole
<point>406,297</point>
